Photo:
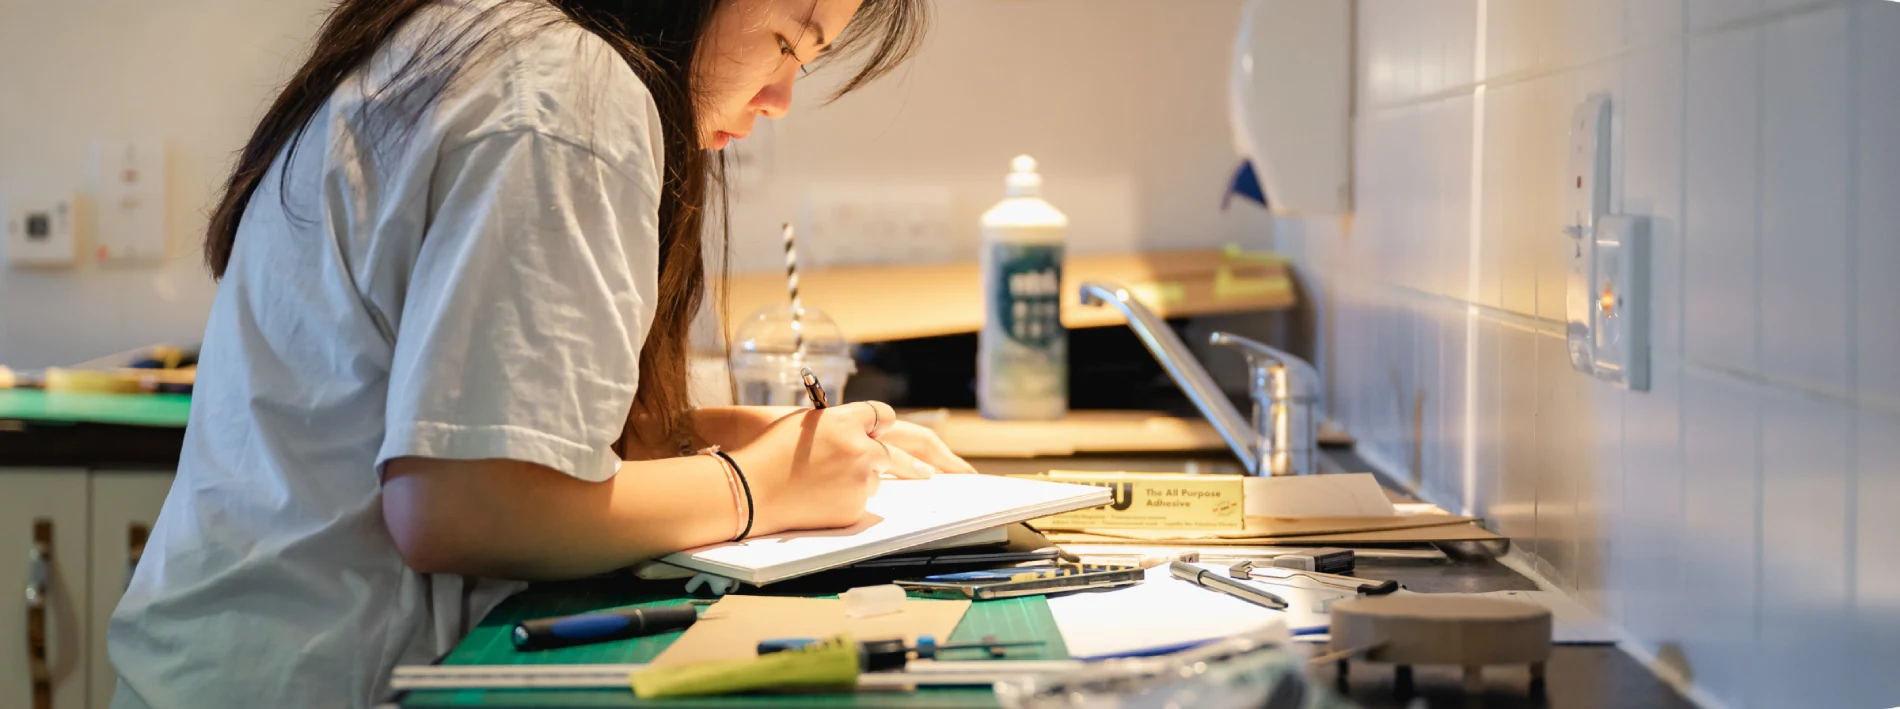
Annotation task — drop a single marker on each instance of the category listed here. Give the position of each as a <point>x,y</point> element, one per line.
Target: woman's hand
<point>734,427</point>
<point>814,469</point>
<point>926,446</point>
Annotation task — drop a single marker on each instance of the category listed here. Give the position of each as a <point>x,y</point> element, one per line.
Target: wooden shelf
<point>874,304</point>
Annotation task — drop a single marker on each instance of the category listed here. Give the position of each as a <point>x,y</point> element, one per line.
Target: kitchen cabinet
<point>96,522</point>
<point>44,507</point>
<point>123,506</point>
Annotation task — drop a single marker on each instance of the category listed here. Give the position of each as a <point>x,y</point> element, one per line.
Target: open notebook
<point>904,514</point>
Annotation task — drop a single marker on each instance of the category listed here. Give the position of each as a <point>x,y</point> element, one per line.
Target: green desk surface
<point>488,644</point>
<point>159,410</point>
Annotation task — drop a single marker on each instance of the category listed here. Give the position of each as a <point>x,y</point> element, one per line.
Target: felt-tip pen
<point>549,633</point>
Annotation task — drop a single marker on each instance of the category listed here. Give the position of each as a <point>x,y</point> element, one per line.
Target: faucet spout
<point>1180,364</point>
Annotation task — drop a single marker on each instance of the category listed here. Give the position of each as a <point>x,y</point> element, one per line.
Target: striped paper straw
<point>791,288</point>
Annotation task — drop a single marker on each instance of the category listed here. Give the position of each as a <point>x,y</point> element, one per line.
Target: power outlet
<point>1620,321</point>
<point>865,225</point>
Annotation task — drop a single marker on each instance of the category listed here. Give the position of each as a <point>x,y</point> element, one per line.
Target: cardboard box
<point>1177,501</point>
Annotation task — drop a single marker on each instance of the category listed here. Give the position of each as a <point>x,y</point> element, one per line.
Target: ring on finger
<point>877,419</point>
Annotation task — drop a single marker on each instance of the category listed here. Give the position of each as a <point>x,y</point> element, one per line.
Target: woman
<point>458,259</point>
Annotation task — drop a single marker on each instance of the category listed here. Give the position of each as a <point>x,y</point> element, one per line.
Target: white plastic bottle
<point>1022,368</point>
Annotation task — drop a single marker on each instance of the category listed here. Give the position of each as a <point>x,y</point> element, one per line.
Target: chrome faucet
<point>1283,436</point>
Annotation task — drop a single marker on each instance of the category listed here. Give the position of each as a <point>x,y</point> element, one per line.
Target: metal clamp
<point>39,570</point>
<point>135,537</point>
<point>1247,570</point>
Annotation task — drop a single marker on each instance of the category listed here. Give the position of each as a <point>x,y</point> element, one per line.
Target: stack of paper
<point>1161,614</point>
<point>902,516</point>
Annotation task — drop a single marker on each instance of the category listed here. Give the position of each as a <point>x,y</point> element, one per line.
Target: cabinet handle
<point>136,534</point>
<point>39,568</point>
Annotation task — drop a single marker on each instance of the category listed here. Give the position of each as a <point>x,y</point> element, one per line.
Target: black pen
<point>813,389</point>
<point>1216,582</point>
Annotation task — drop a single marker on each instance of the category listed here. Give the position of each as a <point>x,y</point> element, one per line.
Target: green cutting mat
<point>488,644</point>
<point>161,410</point>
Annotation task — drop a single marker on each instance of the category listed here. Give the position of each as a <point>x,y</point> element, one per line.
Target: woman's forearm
<point>508,519</point>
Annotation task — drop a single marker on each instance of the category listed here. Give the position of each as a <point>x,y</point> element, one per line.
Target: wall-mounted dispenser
<point>1291,101</point>
<point>1606,299</point>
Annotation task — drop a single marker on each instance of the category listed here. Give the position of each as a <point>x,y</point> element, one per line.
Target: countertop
<point>1577,676</point>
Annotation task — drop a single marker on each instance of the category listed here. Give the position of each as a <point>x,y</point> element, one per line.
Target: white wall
<point>1739,518</point>
<point>195,73</point>
<point>1123,101</point>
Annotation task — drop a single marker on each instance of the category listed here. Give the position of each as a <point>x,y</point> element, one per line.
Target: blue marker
<point>549,633</point>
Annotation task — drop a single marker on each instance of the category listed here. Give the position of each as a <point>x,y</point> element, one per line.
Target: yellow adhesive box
<point>1154,501</point>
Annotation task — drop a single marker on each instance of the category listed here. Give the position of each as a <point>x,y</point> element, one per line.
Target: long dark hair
<point>659,39</point>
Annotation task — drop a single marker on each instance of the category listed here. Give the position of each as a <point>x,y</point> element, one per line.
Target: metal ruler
<point>918,674</point>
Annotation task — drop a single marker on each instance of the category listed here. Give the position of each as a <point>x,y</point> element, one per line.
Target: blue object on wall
<point>1245,184</point>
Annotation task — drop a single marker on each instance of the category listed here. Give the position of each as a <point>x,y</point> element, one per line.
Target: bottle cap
<point>1023,180</point>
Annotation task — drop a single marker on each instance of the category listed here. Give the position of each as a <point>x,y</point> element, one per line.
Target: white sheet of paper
<point>902,515</point>
<point>1341,495</point>
<point>1161,612</point>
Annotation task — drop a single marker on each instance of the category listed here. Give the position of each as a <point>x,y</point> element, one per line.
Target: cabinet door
<point>124,505</point>
<point>53,500</point>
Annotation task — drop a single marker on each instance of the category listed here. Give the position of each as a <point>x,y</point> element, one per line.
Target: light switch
<point>1620,329</point>
<point>41,234</point>
<point>130,213</point>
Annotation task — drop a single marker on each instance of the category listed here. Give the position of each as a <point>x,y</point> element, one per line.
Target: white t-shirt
<point>480,289</point>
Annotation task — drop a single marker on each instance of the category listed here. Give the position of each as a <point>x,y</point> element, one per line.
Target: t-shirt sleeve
<point>526,309</point>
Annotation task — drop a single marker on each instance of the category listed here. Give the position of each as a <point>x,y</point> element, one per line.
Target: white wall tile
<point>1805,541</point>
<point>1513,109</point>
<point>1720,552</point>
<point>1516,510</point>
<point>1708,13</point>
<point>1648,22</point>
<point>1562,447</point>
<point>1430,387</point>
<point>1875,638</point>
<point>1511,36</point>
<point>1648,536</point>
<point>1599,490</point>
<point>1490,419</point>
<point>1405,37</point>
<point>1587,30</point>
<point>1458,30</point>
<point>1495,144</point>
<point>1453,174</point>
<point>1543,188</point>
<point>1457,352</point>
<point>1774,5</point>
<point>1721,308</point>
<point>1804,260</point>
<point>1650,108</point>
<point>1667,507</point>
<point>1877,222</point>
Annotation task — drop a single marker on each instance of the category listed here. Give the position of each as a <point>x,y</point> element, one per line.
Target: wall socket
<point>849,225</point>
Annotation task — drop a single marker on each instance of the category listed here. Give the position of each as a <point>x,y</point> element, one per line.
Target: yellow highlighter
<point>829,664</point>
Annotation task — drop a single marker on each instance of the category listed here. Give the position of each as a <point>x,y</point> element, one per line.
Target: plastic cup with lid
<point>770,348</point>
